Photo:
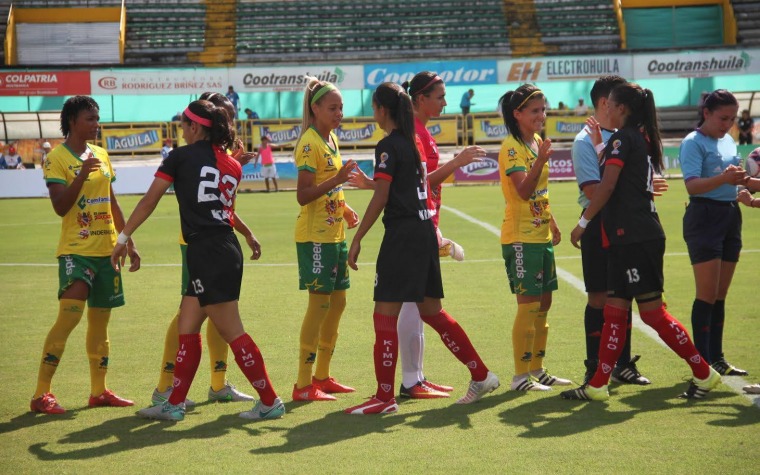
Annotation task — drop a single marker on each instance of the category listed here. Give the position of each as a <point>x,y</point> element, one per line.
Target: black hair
<point>397,102</point>
<point>517,100</point>
<point>421,83</point>
<point>642,114</point>
<point>603,86</point>
<point>713,100</point>
<point>221,132</point>
<point>71,109</point>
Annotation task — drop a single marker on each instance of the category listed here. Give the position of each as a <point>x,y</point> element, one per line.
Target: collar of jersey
<point>323,139</point>
<point>87,147</point>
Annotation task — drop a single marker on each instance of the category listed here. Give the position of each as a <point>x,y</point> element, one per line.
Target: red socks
<point>675,336</point>
<point>185,366</point>
<point>251,363</point>
<point>456,340</point>
<point>386,355</point>
<point>611,343</point>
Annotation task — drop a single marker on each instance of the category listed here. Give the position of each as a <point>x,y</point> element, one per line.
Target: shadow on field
<point>338,427</point>
<point>30,419</point>
<point>555,417</point>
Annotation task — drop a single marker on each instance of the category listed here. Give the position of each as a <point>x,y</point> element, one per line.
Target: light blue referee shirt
<point>705,157</point>
<point>586,162</point>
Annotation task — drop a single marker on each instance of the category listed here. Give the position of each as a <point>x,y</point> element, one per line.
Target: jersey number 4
<point>207,187</point>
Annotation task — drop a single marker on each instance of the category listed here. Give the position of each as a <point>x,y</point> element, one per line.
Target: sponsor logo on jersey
<point>519,260</point>
<point>84,234</point>
<point>383,159</point>
<point>316,257</point>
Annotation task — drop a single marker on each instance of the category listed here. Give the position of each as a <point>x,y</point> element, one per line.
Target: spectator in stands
<point>746,124</point>
<point>11,160</point>
<point>581,108</point>
<point>166,149</point>
<point>234,99</point>
<point>252,115</point>
<point>712,223</point>
<point>561,106</point>
<point>45,151</point>
<point>466,101</point>
<point>268,168</point>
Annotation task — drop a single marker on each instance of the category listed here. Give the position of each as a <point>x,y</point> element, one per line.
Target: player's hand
<point>734,175</point>
<point>353,253</point>
<point>118,255</point>
<point>255,246</point>
<point>470,154</point>
<point>594,130</point>
<point>360,180</point>
<point>660,186</point>
<point>346,170</point>
<point>556,233</point>
<point>575,236</point>
<point>90,165</point>
<point>134,258</point>
<point>351,217</point>
<point>745,197</point>
<point>545,151</point>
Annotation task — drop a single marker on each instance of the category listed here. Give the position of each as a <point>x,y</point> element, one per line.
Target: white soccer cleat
<point>478,389</point>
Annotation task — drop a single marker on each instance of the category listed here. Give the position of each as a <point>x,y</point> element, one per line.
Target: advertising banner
<point>44,83</point>
<point>133,140</point>
<point>488,129</point>
<point>487,170</point>
<point>696,64</point>
<point>444,131</point>
<point>453,73</point>
<point>293,78</point>
<point>564,68</point>
<point>287,170</point>
<point>159,81</point>
<point>564,127</point>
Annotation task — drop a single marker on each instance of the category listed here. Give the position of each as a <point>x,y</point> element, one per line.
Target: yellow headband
<point>537,91</point>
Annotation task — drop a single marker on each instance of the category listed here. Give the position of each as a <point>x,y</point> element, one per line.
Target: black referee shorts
<point>594,257</point>
<point>408,269</point>
<point>712,230</point>
<point>215,266</point>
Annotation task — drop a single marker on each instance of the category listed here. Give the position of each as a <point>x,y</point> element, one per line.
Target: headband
<point>322,91</point>
<point>436,79</point>
<point>537,91</point>
<point>196,118</point>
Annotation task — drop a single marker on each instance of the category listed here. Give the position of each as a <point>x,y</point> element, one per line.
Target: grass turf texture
<point>641,428</point>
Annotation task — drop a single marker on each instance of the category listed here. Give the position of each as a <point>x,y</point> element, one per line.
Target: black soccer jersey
<point>630,215</point>
<point>409,192</point>
<point>205,181</point>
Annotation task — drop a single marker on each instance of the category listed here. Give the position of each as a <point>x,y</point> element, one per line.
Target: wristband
<point>599,147</point>
<point>122,238</point>
<point>583,222</point>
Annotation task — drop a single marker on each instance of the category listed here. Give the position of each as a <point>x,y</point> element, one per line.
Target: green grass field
<point>640,430</point>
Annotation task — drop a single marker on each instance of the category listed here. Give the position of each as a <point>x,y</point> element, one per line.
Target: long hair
<point>71,109</point>
<point>421,84</point>
<point>713,100</point>
<point>392,98</point>
<point>307,117</point>
<point>221,132</point>
<point>517,100</point>
<point>603,86</point>
<point>642,115</point>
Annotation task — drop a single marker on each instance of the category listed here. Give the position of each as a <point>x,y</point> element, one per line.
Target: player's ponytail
<point>215,120</point>
<point>220,100</point>
<point>642,114</point>
<point>311,96</point>
<point>397,102</point>
<point>421,84</point>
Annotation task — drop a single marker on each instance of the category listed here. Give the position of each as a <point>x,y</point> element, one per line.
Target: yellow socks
<point>218,350</point>
<point>316,312</point>
<point>523,336</point>
<point>98,348</point>
<point>328,334</point>
<point>171,345</point>
<point>69,313</point>
<point>539,343</point>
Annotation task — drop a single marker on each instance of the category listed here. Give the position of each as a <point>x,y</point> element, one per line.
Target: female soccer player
<point>747,200</point>
<point>408,269</point>
<point>79,177</point>
<point>221,390</point>
<point>528,233</point>
<point>712,224</point>
<point>636,241</point>
<point>321,239</point>
<point>205,182</point>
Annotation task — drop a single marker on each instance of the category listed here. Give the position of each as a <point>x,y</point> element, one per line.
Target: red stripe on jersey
<point>605,239</point>
<point>615,161</point>
<point>383,176</point>
<point>231,174</point>
<point>164,176</point>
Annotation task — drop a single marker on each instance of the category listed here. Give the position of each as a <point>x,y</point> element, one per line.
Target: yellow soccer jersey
<point>322,219</point>
<point>87,229</point>
<point>524,221</point>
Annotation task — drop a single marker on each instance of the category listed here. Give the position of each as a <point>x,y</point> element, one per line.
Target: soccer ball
<point>753,163</point>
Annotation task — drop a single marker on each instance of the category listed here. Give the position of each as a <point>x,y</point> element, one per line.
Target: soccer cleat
<point>108,398</point>
<point>228,394</point>
<point>752,389</point>
<point>437,387</point>
<point>591,366</point>
<point>456,251</point>
<point>478,389</point>
<point>164,412</point>
<point>46,404</point>
<point>698,388</point>
<point>548,380</point>
<point>374,406</point>
<point>629,373</point>
<point>311,393</point>
<point>261,411</point>
<point>159,398</point>
<point>528,384</point>
<point>421,391</point>
<point>725,368</point>
<point>330,386</point>
<point>586,393</point>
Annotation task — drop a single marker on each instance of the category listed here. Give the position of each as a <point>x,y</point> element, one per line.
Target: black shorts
<point>215,267</point>
<point>712,230</point>
<point>594,257</point>
<point>635,269</point>
<point>408,269</point>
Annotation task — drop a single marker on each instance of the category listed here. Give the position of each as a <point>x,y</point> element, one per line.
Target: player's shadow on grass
<point>30,419</point>
<point>338,427</point>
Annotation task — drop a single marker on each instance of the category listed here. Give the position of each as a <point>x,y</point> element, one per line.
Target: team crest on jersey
<point>306,149</point>
<point>329,160</point>
<point>536,208</point>
<point>84,219</point>
<point>383,159</point>
<point>330,220</point>
<point>512,152</point>
<point>84,234</point>
<point>616,146</point>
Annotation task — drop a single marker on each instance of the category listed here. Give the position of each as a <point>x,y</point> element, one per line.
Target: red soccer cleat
<point>437,387</point>
<point>374,406</point>
<point>46,404</point>
<point>311,393</point>
<point>109,399</point>
<point>421,391</point>
<point>330,386</point>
